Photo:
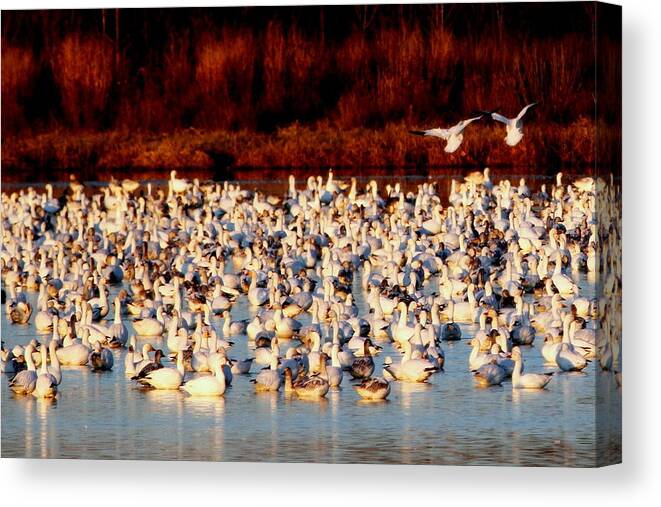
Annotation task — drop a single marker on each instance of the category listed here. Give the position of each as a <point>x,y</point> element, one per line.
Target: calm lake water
<point>446,421</point>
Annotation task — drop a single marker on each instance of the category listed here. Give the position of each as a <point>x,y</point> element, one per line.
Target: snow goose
<point>43,321</point>
<point>528,380</point>
<point>54,367</point>
<point>565,285</point>
<point>411,370</point>
<point>19,312</point>
<point>314,356</point>
<point>177,185</point>
<point>452,135</point>
<point>25,381</point>
<point>233,327</point>
<point>551,347</point>
<point>150,326</point>
<point>10,363</point>
<point>264,353</point>
<point>490,374</point>
<point>363,367</point>
<point>256,295</point>
<point>402,331</point>
<point>46,384</point>
<point>513,126</point>
<point>521,331</point>
<point>477,358</point>
<point>285,327</point>
<point>463,311</point>
<point>164,378</point>
<point>242,367</point>
<point>118,333</point>
<point>450,331</point>
<point>376,388</point>
<point>99,305</point>
<point>77,353</point>
<point>200,355</point>
<point>100,359</point>
<point>568,359</point>
<point>208,385</point>
<point>553,318</point>
<point>435,354</point>
<point>334,371</point>
<point>309,387</point>
<point>129,362</point>
<point>147,365</point>
<point>268,379</point>
<point>584,340</point>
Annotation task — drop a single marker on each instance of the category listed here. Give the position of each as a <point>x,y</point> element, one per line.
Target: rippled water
<point>447,421</point>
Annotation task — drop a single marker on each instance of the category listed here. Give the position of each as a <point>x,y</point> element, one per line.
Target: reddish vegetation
<point>267,89</point>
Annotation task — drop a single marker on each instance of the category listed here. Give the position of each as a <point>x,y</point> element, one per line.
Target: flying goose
<point>453,135</point>
<point>513,126</point>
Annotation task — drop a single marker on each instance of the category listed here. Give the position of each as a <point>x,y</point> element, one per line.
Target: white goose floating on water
<point>46,384</point>
<point>324,271</point>
<point>527,380</point>
<point>25,381</point>
<point>164,378</point>
<point>208,385</point>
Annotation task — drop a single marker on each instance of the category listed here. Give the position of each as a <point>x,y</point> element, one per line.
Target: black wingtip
<point>417,132</point>
<point>488,113</point>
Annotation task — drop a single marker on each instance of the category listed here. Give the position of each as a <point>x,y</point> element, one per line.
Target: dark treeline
<point>260,69</point>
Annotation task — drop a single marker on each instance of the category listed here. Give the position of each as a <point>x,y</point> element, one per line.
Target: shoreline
<point>241,155</point>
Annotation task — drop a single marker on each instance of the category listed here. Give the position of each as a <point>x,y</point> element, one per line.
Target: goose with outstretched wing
<point>513,126</point>
<point>453,135</point>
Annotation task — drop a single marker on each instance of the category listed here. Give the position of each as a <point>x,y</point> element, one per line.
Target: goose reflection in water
<point>328,267</point>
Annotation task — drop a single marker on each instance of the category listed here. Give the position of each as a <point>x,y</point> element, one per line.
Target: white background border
<point>637,481</point>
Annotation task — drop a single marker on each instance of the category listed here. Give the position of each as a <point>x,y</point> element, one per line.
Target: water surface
<point>446,421</point>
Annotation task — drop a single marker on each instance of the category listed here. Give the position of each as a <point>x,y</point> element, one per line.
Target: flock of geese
<point>129,261</point>
<point>453,136</point>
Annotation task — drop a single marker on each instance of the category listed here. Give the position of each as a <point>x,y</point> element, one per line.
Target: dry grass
<point>238,78</point>
<point>280,96</point>
<point>295,146</point>
<point>19,68</point>
<point>82,67</point>
<point>225,78</point>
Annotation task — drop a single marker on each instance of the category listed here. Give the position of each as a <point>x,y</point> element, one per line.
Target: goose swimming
<point>323,272</point>
<point>490,374</point>
<point>527,380</point>
<point>268,379</point>
<point>100,359</point>
<point>376,388</point>
<point>209,385</point>
<point>363,367</point>
<point>412,369</point>
<point>164,378</point>
<point>24,382</point>
<point>45,385</point>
